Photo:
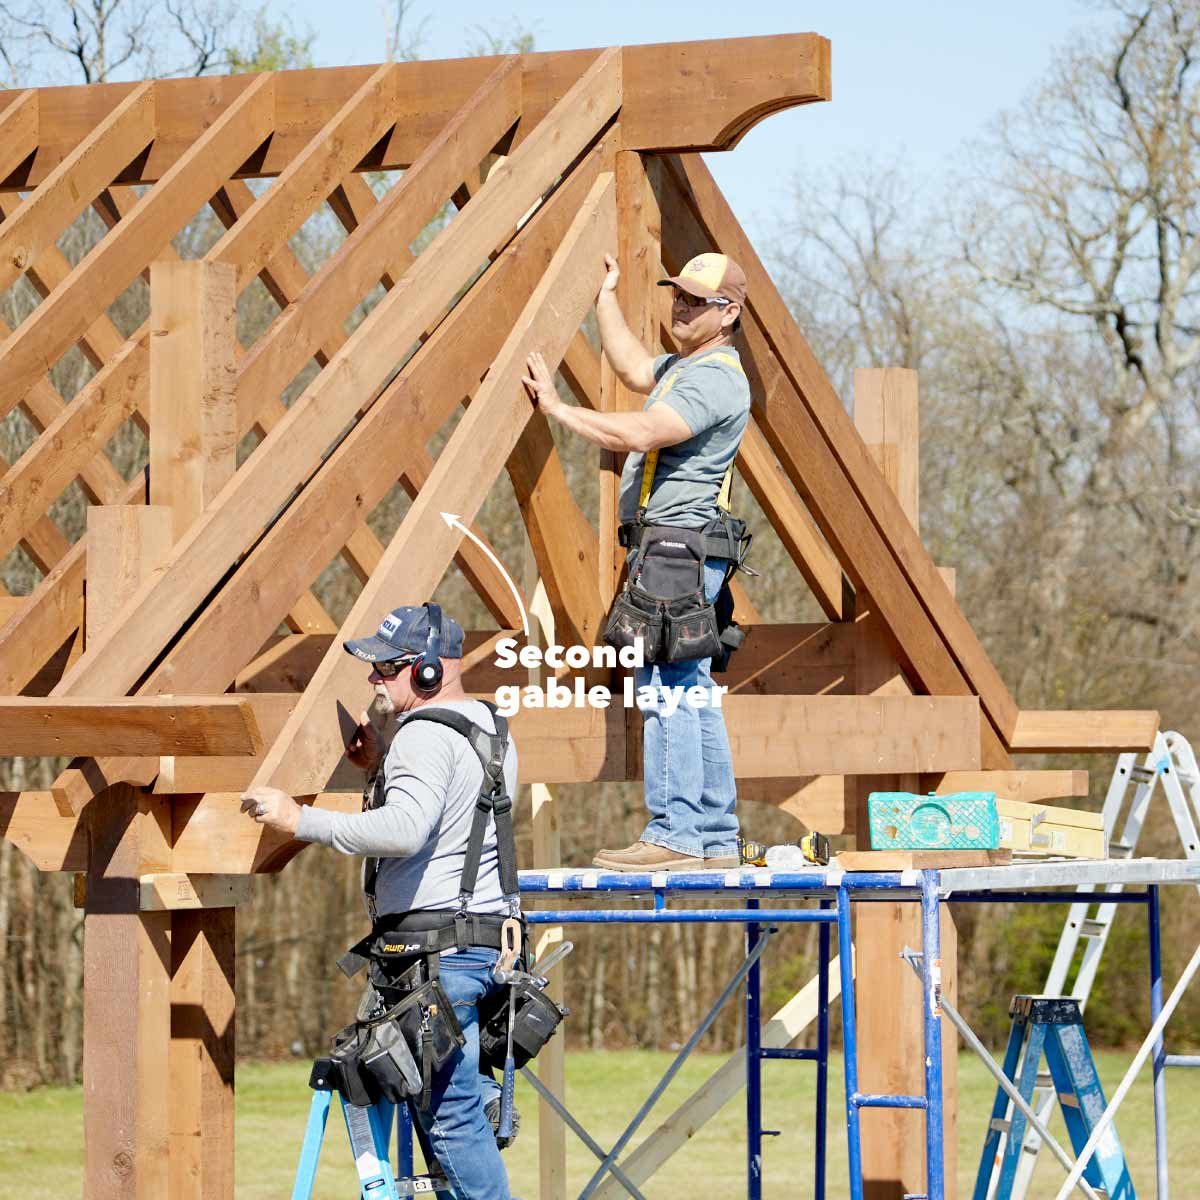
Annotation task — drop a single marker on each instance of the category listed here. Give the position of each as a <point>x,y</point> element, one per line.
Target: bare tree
<point>94,41</point>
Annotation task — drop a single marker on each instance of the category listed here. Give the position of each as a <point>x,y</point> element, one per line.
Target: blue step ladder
<point>1051,1025</point>
<point>369,1130</point>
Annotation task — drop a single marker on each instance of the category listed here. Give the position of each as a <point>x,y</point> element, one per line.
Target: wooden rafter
<point>158,725</point>
<point>312,742</point>
<point>732,84</point>
<point>920,576</point>
<point>76,181</point>
<point>61,319</point>
<point>19,130</point>
<point>294,448</point>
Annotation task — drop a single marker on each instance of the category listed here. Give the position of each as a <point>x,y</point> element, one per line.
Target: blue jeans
<point>690,789</point>
<point>454,1125</point>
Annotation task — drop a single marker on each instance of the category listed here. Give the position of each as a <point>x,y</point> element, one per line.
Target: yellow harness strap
<point>651,463</point>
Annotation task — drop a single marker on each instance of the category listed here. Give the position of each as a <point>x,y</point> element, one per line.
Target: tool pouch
<point>534,1023</point>
<point>663,599</point>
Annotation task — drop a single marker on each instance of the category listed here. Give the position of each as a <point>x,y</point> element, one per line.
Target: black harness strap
<point>493,800</point>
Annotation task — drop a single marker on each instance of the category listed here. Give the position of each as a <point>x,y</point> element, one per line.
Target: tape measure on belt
<point>651,464</point>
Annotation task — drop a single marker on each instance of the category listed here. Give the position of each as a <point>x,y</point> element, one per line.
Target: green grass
<point>41,1150</point>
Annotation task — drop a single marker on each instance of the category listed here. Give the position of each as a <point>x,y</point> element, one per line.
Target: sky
<point>911,82</point>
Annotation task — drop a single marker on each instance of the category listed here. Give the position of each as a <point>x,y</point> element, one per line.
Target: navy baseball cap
<point>405,631</point>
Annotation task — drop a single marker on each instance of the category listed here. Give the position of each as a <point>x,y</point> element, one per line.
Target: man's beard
<point>382,704</point>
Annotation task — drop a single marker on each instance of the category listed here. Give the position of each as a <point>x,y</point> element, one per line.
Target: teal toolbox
<point>960,821</point>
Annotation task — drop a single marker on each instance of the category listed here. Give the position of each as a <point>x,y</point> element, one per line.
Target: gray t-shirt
<point>713,397</point>
<point>432,779</point>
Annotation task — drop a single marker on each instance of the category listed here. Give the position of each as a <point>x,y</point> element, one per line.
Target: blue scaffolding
<point>606,898</point>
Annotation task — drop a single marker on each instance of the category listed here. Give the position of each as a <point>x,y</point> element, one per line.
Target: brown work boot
<point>723,863</point>
<point>645,856</point>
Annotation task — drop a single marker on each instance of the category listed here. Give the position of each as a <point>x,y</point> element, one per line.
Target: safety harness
<point>725,536</point>
<point>429,932</point>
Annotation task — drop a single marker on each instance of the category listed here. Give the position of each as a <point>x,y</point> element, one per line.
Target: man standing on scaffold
<point>683,547</point>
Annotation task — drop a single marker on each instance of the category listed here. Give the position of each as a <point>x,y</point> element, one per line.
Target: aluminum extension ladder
<point>1051,1026</point>
<point>1172,763</point>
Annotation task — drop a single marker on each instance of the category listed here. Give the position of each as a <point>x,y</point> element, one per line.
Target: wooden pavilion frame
<point>152,646</point>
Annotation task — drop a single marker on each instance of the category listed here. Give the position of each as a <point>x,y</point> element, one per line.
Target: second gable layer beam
<point>312,743</point>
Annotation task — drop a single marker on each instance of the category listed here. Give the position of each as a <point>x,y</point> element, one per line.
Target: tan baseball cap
<point>711,275</point>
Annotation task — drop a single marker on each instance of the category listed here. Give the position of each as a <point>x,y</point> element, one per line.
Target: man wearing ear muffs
<point>439,880</point>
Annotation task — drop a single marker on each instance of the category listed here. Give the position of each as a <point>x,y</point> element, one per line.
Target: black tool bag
<point>394,1054</point>
<point>663,599</point>
<point>537,1018</point>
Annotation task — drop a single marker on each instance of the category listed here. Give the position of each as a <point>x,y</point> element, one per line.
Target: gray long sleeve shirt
<point>431,780</point>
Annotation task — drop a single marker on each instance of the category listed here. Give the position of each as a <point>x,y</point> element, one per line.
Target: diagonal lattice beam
<point>311,743</point>
<point>294,449</point>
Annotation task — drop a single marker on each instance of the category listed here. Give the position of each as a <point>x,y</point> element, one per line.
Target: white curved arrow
<point>453,520</point>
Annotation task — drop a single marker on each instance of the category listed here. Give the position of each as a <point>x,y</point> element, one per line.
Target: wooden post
<point>639,253</point>
<point>193,444</point>
<point>193,377</point>
<point>547,852</point>
<point>891,1051</point>
<point>126,953</point>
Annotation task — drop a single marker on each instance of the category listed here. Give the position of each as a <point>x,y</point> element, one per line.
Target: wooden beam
<point>312,175</point>
<point>71,442</point>
<point>825,420</point>
<point>126,1003</point>
<point>732,84</point>
<point>1026,786</point>
<point>639,253</point>
<point>312,743</point>
<point>127,542</point>
<point>173,891</point>
<point>1084,732</point>
<point>362,469</point>
<point>355,267</point>
<point>36,725</point>
<point>200,1064</point>
<point>799,533</point>
<point>51,613</point>
<point>18,130</point>
<point>771,737</point>
<point>294,449</point>
<point>110,147</point>
<point>193,414</point>
<point>50,840</point>
<point>53,327</point>
<point>563,540</point>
